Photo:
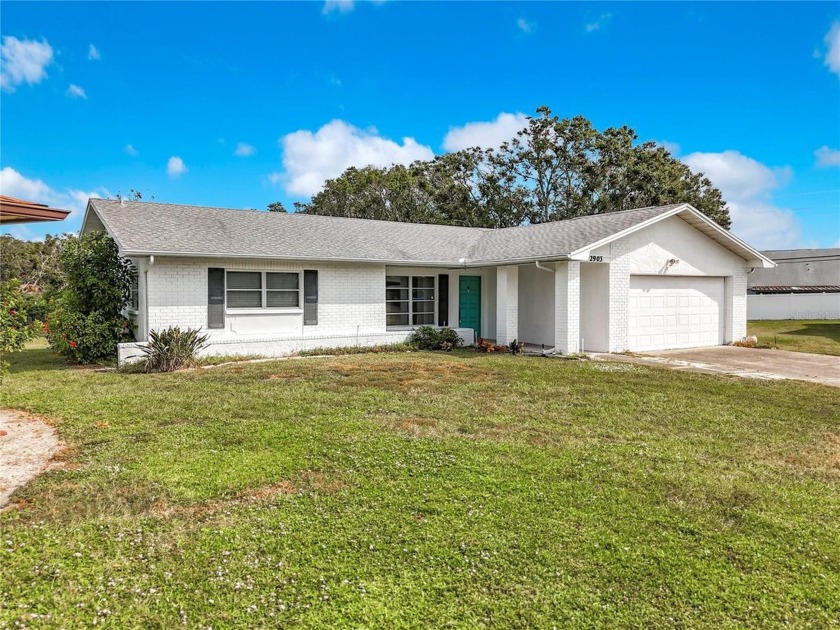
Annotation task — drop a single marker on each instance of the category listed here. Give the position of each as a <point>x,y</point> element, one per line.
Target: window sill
<point>264,311</point>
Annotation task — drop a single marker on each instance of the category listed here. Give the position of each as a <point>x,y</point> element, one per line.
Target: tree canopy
<point>553,169</point>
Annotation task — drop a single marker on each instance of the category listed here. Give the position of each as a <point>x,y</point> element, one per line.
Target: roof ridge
<point>663,207</point>
<point>289,214</point>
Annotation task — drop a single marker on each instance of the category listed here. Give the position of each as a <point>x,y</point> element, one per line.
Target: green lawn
<point>821,336</point>
<point>425,490</point>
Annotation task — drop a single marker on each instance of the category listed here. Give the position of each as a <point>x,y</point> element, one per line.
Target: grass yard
<point>820,336</point>
<point>425,490</point>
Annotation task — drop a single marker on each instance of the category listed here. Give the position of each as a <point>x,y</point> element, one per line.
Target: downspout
<point>543,267</point>
<point>146,300</point>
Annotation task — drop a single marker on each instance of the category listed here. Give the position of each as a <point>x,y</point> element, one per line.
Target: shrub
<point>430,338</point>
<point>172,349</point>
<point>16,323</point>
<point>86,320</point>
<point>85,338</point>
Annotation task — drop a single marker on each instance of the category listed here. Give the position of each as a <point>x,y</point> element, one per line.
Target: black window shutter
<point>443,299</point>
<point>215,298</point>
<point>310,297</point>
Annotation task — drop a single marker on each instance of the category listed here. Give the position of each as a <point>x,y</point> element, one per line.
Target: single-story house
<point>272,283</point>
<point>804,284</point>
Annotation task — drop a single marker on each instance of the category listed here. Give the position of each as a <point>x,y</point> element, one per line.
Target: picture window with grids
<point>409,300</point>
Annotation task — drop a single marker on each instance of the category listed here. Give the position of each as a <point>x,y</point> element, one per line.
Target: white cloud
<point>339,6</point>
<point>13,184</point>
<point>485,134</point>
<point>832,54</point>
<point>599,23</point>
<point>74,91</point>
<point>23,61</point>
<point>671,147</point>
<point>244,150</point>
<point>93,53</point>
<point>748,186</point>
<point>175,166</point>
<point>311,158</point>
<point>129,148</point>
<point>524,25</point>
<point>827,157</point>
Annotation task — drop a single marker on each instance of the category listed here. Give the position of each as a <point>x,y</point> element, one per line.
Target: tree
<point>86,321</point>
<point>553,169</point>
<point>16,324</point>
<point>277,206</point>
<point>33,262</point>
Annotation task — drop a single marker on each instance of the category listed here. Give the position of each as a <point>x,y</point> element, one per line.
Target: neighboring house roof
<point>155,229</point>
<point>789,289</point>
<point>14,210</point>
<point>798,268</point>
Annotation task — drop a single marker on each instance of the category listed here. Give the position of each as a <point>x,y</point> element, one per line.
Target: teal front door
<point>469,303</point>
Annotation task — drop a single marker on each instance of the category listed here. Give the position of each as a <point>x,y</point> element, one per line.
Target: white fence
<point>794,306</point>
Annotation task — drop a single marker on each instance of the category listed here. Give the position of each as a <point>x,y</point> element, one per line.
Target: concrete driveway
<point>745,362</point>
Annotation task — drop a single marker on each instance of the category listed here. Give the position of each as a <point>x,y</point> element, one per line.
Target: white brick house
<point>271,284</point>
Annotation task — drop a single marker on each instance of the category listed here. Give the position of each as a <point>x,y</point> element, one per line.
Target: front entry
<point>469,303</point>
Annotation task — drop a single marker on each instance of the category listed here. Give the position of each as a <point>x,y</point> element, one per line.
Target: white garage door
<point>675,312</point>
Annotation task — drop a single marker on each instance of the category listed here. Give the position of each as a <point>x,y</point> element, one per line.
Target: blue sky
<point>239,105</point>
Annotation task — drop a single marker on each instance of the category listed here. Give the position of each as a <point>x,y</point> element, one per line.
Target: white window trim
<point>264,310</point>
<point>410,300</point>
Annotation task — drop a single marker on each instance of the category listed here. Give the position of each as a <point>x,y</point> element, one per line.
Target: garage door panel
<point>675,312</point>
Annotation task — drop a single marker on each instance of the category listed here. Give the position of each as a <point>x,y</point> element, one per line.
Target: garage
<point>675,312</point>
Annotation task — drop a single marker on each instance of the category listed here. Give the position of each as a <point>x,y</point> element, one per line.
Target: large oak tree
<point>553,169</point>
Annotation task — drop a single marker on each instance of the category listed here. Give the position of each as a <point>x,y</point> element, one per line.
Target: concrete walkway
<point>744,362</point>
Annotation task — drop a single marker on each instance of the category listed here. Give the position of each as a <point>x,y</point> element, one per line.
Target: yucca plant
<point>172,349</point>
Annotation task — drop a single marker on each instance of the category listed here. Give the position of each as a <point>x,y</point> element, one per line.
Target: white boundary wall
<point>793,306</point>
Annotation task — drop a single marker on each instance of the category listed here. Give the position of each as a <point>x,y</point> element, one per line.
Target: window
<point>409,300</point>
<point>262,289</point>
<point>282,290</point>
<point>134,299</point>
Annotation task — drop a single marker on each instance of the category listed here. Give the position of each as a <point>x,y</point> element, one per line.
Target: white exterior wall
<point>595,307</point>
<point>351,307</point>
<point>794,306</point>
<point>648,251</point>
<point>536,305</point>
<point>507,304</point>
<point>349,296</point>
<point>567,307</point>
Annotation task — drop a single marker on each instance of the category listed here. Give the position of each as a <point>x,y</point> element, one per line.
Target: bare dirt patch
<point>305,482</point>
<point>823,456</point>
<point>28,447</point>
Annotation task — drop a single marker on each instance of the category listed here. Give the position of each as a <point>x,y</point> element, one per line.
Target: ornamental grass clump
<point>173,349</point>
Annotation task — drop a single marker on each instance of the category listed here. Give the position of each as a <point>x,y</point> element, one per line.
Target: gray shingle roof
<point>799,268</point>
<point>142,228</point>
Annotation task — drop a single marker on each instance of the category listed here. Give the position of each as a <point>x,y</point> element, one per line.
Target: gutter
<point>414,263</point>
